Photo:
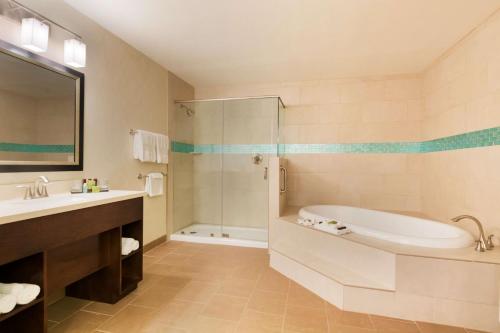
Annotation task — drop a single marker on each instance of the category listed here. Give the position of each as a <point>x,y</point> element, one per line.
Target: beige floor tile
<point>174,259</point>
<point>51,324</point>
<point>148,281</point>
<point>347,318</point>
<point>225,307</point>
<point>259,322</point>
<point>271,280</point>
<point>303,319</point>
<point>249,272</point>
<point>212,325</point>
<point>156,297</point>
<point>300,296</point>
<point>147,261</point>
<point>197,291</point>
<point>81,321</point>
<point>391,325</point>
<point>65,307</point>
<point>109,309</point>
<point>268,302</point>
<point>180,314</point>
<point>351,329</point>
<point>237,287</point>
<point>161,250</point>
<point>130,319</point>
<point>435,328</point>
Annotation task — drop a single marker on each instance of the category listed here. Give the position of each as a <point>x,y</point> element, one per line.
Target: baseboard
<point>154,243</point>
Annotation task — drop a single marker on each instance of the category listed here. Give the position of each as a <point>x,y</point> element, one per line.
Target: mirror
<point>41,113</point>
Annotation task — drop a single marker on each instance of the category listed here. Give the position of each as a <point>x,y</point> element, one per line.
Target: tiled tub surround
<point>456,287</point>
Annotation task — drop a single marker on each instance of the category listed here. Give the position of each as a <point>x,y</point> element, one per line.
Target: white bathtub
<point>391,227</point>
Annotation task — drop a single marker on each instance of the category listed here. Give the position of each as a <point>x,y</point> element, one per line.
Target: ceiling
<point>261,41</point>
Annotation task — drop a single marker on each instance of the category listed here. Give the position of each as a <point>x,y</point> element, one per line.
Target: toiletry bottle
<point>84,186</point>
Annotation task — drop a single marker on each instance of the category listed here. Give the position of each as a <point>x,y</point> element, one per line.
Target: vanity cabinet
<point>79,250</point>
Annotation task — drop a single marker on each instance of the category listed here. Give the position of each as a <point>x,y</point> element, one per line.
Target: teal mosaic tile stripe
<point>180,147</point>
<point>481,138</point>
<point>30,148</point>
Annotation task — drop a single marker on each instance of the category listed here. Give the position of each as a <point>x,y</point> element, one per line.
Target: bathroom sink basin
<point>63,199</point>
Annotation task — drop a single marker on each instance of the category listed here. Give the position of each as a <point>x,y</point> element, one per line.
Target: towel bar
<point>141,176</point>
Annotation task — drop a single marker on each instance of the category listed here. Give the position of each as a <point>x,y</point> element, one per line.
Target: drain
<point>192,232</point>
<point>211,235</point>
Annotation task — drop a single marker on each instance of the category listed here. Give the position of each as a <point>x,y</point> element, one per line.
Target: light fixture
<point>34,35</point>
<point>75,53</point>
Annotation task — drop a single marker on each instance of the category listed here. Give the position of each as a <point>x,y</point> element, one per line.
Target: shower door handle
<point>284,176</point>
<point>265,173</point>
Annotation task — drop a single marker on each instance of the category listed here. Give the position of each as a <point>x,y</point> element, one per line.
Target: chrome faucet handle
<point>41,187</point>
<point>480,246</point>
<point>29,192</point>
<point>489,243</point>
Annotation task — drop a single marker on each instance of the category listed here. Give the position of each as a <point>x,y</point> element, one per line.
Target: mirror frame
<point>79,77</point>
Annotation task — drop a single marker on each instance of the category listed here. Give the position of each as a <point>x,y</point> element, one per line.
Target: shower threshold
<point>213,234</point>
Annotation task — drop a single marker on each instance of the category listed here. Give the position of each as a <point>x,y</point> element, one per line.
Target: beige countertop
<point>463,254</point>
<point>19,209</point>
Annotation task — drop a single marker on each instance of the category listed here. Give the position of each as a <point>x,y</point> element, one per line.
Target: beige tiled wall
<point>124,90</point>
<point>462,93</point>
<point>381,109</point>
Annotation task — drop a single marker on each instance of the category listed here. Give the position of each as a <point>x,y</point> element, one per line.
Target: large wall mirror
<point>41,113</point>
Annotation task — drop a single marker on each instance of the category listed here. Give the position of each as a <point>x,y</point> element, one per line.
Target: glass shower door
<point>249,138</point>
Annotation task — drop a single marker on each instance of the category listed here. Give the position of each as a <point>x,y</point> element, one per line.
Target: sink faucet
<point>481,244</point>
<point>36,190</point>
<point>41,187</point>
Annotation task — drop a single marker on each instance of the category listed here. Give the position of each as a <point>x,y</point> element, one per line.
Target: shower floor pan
<point>227,235</point>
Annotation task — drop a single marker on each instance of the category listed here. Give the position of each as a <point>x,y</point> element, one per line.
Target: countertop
<point>19,210</point>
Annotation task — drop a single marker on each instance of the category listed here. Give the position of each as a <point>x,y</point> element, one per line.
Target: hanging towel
<point>145,146</point>
<point>7,303</point>
<point>154,184</point>
<point>162,148</point>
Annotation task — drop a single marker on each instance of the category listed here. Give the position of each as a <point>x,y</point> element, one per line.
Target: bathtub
<point>391,227</point>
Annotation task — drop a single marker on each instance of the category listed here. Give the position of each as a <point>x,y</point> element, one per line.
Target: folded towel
<point>306,222</point>
<point>129,245</point>
<point>335,228</point>
<point>7,303</point>
<point>24,293</point>
<point>154,184</point>
<point>161,149</point>
<point>145,146</point>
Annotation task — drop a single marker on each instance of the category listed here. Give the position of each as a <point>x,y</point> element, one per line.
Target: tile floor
<point>210,288</point>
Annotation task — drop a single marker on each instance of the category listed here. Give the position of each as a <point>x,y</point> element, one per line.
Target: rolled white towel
<point>29,294</point>
<point>11,288</point>
<point>129,245</point>
<point>7,303</point>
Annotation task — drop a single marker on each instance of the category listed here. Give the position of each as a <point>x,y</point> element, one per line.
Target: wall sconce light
<point>34,35</point>
<point>75,53</point>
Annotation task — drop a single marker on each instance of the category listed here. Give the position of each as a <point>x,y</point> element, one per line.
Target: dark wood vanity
<point>79,250</point>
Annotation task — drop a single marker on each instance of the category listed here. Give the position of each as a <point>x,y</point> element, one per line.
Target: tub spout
<point>481,242</point>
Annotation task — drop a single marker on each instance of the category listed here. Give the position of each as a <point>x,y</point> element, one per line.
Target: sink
<point>62,199</point>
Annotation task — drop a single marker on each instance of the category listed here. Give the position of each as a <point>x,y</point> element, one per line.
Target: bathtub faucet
<point>481,244</point>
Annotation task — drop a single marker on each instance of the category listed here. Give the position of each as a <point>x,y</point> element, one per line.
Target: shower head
<point>189,112</point>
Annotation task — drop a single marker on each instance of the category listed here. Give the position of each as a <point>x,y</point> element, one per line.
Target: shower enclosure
<point>220,155</point>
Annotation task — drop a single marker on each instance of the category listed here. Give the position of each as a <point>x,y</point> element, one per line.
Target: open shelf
<point>133,253</point>
<point>28,317</point>
<point>20,308</point>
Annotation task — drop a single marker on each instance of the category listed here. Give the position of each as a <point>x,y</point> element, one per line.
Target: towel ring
<point>141,176</point>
